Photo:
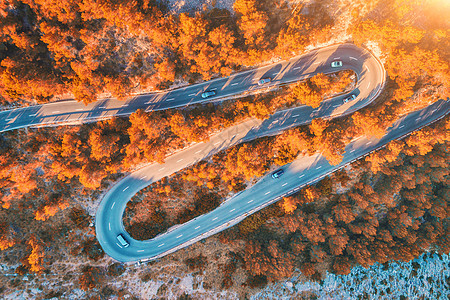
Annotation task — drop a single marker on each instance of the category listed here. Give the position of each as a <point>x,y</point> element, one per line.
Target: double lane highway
<point>108,222</point>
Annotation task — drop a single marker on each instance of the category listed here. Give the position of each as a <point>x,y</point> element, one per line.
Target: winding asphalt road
<point>371,79</point>
<point>370,71</point>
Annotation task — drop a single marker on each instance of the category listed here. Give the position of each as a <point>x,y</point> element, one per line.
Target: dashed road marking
<point>316,63</point>
<point>125,189</point>
<point>284,184</point>
<point>197,227</point>
<point>162,169</point>
<point>368,84</point>
<point>353,150</point>
<point>267,193</point>
<point>143,177</point>
<point>367,69</point>
<point>213,89</point>
<point>113,205</point>
<point>215,218</point>
<point>140,250</point>
<point>32,115</point>
<point>199,151</point>
<point>217,143</point>
<point>191,95</point>
<point>275,73</point>
<point>368,143</point>
<point>301,176</point>
<point>56,111</point>
<point>233,210</point>
<point>181,159</point>
<point>118,245</point>
<point>109,225</point>
<point>102,107</point>
<point>9,119</point>
<point>78,109</point>
<point>179,236</point>
<point>170,99</point>
<point>295,116</point>
<point>250,201</point>
<point>318,167</point>
<point>402,126</point>
<point>296,68</point>
<point>353,58</point>
<point>337,57</point>
<point>433,110</point>
<point>336,105</point>
<point>417,119</point>
<point>123,105</point>
<point>161,245</point>
<point>236,83</point>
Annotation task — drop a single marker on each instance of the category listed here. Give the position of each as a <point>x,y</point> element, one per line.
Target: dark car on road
<point>277,174</point>
<point>207,94</point>
<point>350,98</point>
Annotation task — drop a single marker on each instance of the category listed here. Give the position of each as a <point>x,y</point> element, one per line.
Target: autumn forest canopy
<point>392,205</point>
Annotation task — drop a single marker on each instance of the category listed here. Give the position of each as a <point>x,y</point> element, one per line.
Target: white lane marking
<point>33,115</point>
<point>102,107</point>
<point>316,63</point>
<point>179,236</point>
<point>433,110</point>
<point>417,119</point>
<point>284,184</point>
<point>149,102</point>
<point>368,84</point>
<point>213,89</point>
<point>56,111</point>
<point>181,159</point>
<point>78,109</point>
<point>301,176</point>
<point>318,167</point>
<point>125,189</point>
<point>216,143</point>
<point>143,177</point>
<point>109,225</point>
<point>233,210</point>
<point>402,126</point>
<point>215,218</point>
<point>118,245</point>
<point>353,58</point>
<point>170,99</point>
<point>267,193</point>
<point>9,119</point>
<point>250,201</point>
<point>140,251</point>
<point>337,57</point>
<point>197,227</point>
<point>294,116</point>
<point>113,205</point>
<point>161,245</point>
<point>236,83</point>
<point>368,143</point>
<point>275,73</point>
<point>199,151</point>
<point>191,95</point>
<point>336,105</point>
<point>296,68</point>
<point>353,150</point>
<point>124,105</point>
<point>367,69</point>
<point>162,169</point>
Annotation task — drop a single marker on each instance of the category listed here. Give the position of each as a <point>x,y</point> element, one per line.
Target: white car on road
<point>336,64</point>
